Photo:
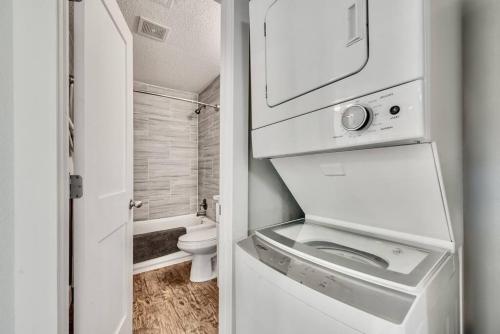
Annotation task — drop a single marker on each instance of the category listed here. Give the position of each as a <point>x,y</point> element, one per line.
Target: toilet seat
<point>198,239</point>
<point>208,234</point>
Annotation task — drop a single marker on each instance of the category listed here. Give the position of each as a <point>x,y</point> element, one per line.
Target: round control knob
<point>356,117</point>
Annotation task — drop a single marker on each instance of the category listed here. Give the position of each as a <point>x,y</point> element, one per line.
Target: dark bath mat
<point>148,246</point>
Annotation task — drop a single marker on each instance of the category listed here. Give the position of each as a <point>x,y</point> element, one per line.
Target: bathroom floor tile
<point>167,302</point>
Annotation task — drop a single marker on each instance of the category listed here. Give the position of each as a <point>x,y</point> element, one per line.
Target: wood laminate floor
<point>166,301</point>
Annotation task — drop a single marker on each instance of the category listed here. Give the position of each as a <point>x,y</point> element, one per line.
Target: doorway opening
<point>176,136</point>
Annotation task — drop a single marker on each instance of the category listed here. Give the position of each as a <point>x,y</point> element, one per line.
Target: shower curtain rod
<point>215,106</point>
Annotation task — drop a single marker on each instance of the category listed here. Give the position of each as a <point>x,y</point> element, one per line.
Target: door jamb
<point>234,127</point>
<point>63,298</point>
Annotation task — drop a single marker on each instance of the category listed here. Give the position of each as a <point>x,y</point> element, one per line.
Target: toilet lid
<point>200,235</point>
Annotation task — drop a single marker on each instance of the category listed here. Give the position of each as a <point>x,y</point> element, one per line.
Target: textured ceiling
<point>189,58</point>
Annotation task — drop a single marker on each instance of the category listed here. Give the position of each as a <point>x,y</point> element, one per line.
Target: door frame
<point>64,289</point>
<point>234,148</point>
<point>234,127</point>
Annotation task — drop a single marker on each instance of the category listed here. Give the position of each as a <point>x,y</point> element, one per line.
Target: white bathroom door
<point>103,157</point>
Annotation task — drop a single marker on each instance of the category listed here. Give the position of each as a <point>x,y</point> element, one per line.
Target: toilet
<point>202,245</point>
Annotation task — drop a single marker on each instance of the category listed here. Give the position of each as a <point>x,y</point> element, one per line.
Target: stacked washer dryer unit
<point>357,104</point>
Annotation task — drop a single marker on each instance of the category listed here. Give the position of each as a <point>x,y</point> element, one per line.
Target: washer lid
<point>394,192</point>
<point>200,235</point>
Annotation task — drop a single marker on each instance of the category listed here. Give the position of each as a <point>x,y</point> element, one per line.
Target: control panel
<point>389,115</point>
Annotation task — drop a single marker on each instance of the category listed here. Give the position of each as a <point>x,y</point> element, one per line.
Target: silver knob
<point>134,204</point>
<point>356,117</point>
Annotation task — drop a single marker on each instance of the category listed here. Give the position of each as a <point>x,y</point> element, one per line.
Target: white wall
<point>28,172</point>
<point>482,165</point>
<point>6,172</point>
<point>270,202</point>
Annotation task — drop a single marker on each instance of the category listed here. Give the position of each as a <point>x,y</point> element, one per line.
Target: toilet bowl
<point>202,245</point>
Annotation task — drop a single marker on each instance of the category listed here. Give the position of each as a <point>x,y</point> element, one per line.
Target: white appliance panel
<point>296,32</point>
<point>396,56</point>
<point>323,130</point>
<point>296,296</point>
<point>393,191</point>
<point>279,293</point>
<point>277,311</point>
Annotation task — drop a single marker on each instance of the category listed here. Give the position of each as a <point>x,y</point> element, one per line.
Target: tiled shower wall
<point>165,154</point>
<point>208,147</point>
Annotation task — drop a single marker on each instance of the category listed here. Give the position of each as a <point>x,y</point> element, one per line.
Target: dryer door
<point>310,44</point>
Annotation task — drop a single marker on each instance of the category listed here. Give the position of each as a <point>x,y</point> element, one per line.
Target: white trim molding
<point>161,262</point>
<point>63,287</point>
<point>234,125</point>
<point>36,101</point>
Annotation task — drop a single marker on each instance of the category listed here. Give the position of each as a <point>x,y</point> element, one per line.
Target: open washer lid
<point>394,192</point>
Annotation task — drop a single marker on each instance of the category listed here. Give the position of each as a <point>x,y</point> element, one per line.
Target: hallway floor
<point>167,302</point>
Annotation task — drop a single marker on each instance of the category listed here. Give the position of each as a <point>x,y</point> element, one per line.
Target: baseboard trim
<point>163,261</point>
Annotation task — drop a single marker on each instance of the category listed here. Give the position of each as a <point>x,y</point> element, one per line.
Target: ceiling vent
<point>152,30</point>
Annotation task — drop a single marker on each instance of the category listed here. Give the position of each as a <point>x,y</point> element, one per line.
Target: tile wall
<point>165,154</point>
<point>208,147</point>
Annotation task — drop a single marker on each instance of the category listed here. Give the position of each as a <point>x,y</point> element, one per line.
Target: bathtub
<point>189,222</point>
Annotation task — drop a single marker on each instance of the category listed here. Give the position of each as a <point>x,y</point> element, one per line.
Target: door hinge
<point>266,91</point>
<point>75,0</point>
<point>265,29</point>
<point>75,186</point>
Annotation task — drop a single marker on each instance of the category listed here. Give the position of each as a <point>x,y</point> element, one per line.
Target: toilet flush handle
<point>134,204</point>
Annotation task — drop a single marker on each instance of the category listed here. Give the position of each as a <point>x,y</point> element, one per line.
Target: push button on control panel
<point>395,110</point>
